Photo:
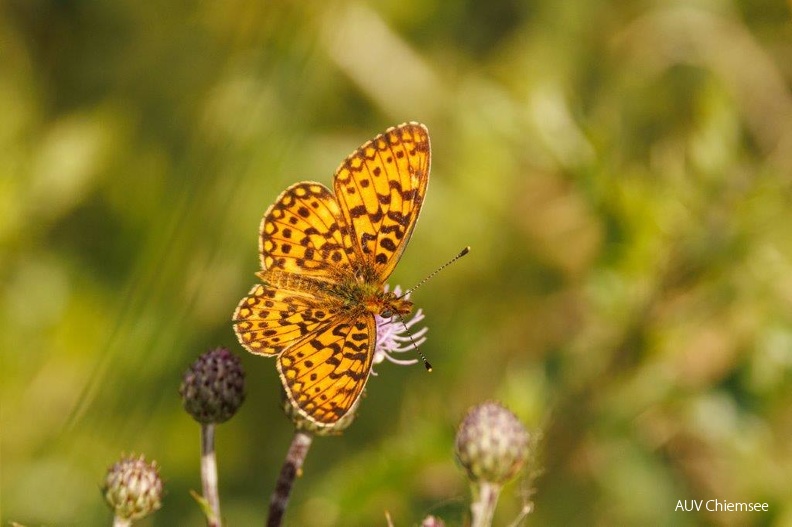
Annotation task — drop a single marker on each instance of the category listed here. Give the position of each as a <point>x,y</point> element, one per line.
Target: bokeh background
<point>620,169</point>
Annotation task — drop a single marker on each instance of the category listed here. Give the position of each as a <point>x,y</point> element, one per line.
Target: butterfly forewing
<point>380,189</point>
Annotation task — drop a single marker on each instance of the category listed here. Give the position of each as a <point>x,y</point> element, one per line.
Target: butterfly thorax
<point>370,296</point>
<point>347,291</point>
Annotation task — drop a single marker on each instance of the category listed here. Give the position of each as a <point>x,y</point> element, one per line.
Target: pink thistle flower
<point>393,337</point>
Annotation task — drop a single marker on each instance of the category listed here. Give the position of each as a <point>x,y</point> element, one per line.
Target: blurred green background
<point>620,169</point>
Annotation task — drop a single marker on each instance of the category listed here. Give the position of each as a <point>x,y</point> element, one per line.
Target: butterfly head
<point>386,304</point>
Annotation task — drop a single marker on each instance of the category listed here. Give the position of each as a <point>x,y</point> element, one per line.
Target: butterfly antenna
<point>427,365</point>
<point>462,253</point>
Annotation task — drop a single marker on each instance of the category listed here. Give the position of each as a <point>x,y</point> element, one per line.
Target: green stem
<point>209,474</point>
<point>292,467</point>
<point>121,522</point>
<point>485,498</point>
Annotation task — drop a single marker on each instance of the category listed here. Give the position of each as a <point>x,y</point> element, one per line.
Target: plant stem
<point>483,507</point>
<point>209,474</point>
<point>292,467</point>
<point>121,522</point>
<point>526,510</point>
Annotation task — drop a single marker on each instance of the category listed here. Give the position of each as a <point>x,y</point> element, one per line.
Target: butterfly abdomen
<point>292,281</point>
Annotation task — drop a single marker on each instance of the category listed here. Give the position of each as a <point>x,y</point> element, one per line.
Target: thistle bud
<point>133,488</point>
<point>491,443</point>
<point>213,388</point>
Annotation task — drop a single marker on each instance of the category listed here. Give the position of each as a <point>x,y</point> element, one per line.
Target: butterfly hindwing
<point>325,372</point>
<point>271,318</point>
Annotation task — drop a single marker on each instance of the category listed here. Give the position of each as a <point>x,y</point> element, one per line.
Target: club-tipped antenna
<point>462,253</point>
<point>427,365</point>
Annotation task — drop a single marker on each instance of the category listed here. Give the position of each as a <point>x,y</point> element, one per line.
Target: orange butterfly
<point>325,259</point>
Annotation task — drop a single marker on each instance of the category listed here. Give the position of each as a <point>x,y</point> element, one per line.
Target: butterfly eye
<point>387,313</point>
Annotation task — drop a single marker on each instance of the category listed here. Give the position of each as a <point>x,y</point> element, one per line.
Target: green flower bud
<point>491,443</point>
<point>213,388</point>
<point>133,488</point>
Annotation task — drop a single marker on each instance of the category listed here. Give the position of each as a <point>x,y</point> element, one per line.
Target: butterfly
<point>325,257</point>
